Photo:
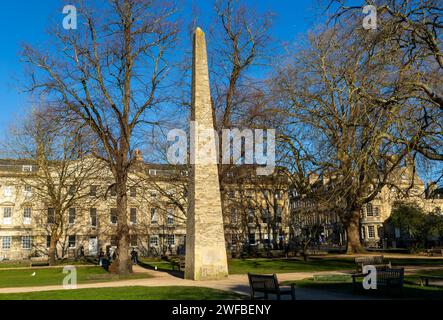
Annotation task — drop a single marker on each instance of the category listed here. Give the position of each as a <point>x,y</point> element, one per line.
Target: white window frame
<point>170,237</point>
<point>91,215</point>
<point>154,213</point>
<point>27,168</point>
<point>6,242</point>
<point>69,242</point>
<point>26,242</point>
<point>369,209</point>
<point>27,215</point>
<point>7,219</point>
<point>111,215</point>
<point>132,210</point>
<point>154,241</point>
<point>170,219</point>
<point>70,210</point>
<point>371,230</point>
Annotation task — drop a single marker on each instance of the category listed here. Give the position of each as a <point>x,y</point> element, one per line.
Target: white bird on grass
<point>34,274</point>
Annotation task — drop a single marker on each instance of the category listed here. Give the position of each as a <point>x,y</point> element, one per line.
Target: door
<point>93,246</point>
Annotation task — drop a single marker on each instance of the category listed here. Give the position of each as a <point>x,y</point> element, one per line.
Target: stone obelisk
<point>205,241</point>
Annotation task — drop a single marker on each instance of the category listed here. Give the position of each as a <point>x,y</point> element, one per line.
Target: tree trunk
<point>52,251</point>
<point>123,262</point>
<point>353,233</point>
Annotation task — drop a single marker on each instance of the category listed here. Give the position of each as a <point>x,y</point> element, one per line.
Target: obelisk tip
<point>199,31</point>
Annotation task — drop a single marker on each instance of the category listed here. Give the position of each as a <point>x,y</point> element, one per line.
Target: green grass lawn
<point>265,266</point>
<point>314,264</point>
<point>128,293</point>
<point>55,276</point>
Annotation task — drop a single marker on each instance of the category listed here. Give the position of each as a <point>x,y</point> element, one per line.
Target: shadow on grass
<point>162,266</point>
<point>410,290</point>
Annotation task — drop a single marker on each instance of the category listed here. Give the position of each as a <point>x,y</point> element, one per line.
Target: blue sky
<point>27,22</point>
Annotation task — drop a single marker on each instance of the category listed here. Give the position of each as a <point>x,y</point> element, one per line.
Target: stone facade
<point>157,205</point>
<point>206,257</point>
<point>408,188</point>
<point>257,212</point>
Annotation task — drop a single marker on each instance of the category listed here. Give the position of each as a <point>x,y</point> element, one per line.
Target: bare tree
<point>63,172</point>
<point>409,32</point>
<point>344,131</point>
<point>107,74</point>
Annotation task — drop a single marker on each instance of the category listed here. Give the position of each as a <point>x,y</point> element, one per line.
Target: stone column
<point>205,240</point>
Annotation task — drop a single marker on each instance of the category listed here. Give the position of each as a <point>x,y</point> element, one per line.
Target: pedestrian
<point>134,256</point>
<point>101,256</point>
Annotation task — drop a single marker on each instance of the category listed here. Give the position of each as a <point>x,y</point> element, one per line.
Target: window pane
<point>371,232</point>
<point>6,243</point>
<point>113,215</point>
<point>113,191</point>
<point>51,215</point>
<point>27,213</point>
<point>170,239</point>
<point>170,219</point>
<point>369,211</point>
<point>72,241</point>
<point>7,212</point>
<point>93,191</point>
<point>72,215</point>
<point>26,242</point>
<point>154,241</point>
<point>133,215</point>
<point>154,215</point>
<point>93,214</point>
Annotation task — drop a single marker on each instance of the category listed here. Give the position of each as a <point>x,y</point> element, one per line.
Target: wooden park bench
<point>266,285</point>
<point>178,263</point>
<point>387,279</point>
<point>376,261</point>
<point>425,280</point>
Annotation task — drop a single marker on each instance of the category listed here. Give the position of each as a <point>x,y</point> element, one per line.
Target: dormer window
<point>152,172</point>
<point>27,168</point>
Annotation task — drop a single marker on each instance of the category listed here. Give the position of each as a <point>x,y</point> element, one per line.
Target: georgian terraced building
<point>255,211</point>
<point>408,188</point>
<point>258,211</point>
